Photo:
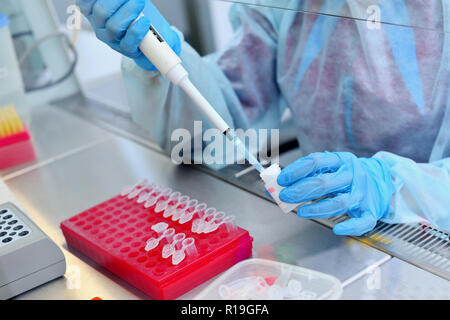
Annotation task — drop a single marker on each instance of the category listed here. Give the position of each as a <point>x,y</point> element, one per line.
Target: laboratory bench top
<point>81,164</point>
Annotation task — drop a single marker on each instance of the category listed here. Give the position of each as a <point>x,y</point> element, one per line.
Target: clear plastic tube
<point>188,247</point>
<point>152,243</point>
<point>178,213</point>
<point>219,215</point>
<point>161,206</point>
<point>191,204</point>
<point>209,213</point>
<point>143,196</point>
<point>189,215</point>
<point>153,199</point>
<point>202,223</point>
<point>182,201</point>
<point>170,247</point>
<point>213,225</point>
<point>270,176</point>
<point>196,225</point>
<point>136,191</point>
<point>160,227</point>
<point>128,189</point>
<point>173,202</point>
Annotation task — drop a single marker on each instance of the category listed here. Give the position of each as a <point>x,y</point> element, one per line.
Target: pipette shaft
<point>156,49</point>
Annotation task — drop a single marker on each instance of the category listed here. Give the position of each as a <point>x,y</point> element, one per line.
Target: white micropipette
<point>161,55</point>
<point>156,49</point>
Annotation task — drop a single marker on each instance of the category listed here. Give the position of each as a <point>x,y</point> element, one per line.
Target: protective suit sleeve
<point>422,191</point>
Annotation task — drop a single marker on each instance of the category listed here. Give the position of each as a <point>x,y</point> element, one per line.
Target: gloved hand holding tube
<point>344,184</point>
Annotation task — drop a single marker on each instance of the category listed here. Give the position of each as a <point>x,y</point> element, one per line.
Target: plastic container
<point>116,232</point>
<point>259,279</point>
<point>11,85</point>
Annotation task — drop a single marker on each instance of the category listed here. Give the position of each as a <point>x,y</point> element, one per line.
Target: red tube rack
<point>114,234</point>
<point>16,149</point>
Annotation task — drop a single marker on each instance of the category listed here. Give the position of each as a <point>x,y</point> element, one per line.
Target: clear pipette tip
<point>241,146</point>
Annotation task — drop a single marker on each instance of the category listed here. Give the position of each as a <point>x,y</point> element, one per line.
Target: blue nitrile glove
<point>361,187</point>
<point>111,20</point>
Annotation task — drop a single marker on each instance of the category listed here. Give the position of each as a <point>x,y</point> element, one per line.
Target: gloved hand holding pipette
<point>272,63</point>
<point>112,21</point>
<point>123,25</point>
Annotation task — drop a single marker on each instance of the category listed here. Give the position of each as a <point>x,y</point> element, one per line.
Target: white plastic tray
<point>259,279</point>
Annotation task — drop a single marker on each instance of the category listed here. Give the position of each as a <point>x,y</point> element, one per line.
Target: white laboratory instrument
<point>156,49</point>
<point>28,258</point>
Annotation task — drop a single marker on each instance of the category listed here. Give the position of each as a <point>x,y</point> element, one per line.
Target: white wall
<point>221,25</point>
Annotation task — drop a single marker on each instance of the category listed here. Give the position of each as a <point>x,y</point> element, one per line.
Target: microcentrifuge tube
<point>128,189</point>
<point>174,196</point>
<point>294,288</point>
<point>154,242</point>
<point>164,203</point>
<point>215,224</point>
<point>178,209</point>
<point>173,204</point>
<point>189,211</point>
<point>170,210</point>
<point>259,290</point>
<point>137,190</point>
<point>203,221</point>
<point>187,247</point>
<point>170,248</point>
<point>161,206</point>
<point>178,213</point>
<point>188,215</point>
<point>210,212</point>
<point>160,227</point>
<point>285,275</point>
<point>154,192</point>
<point>183,201</point>
<point>143,196</point>
<point>154,198</point>
<point>192,204</point>
<point>196,225</point>
<point>146,193</point>
<point>270,176</point>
